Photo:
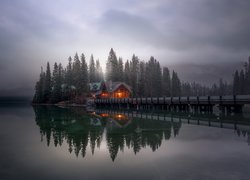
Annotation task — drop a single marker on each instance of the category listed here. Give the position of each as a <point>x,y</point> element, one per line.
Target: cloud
<point>196,33</point>
<point>223,24</point>
<point>126,27</point>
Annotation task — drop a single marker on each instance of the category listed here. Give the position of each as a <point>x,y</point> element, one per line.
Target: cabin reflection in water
<point>80,130</point>
<point>119,130</point>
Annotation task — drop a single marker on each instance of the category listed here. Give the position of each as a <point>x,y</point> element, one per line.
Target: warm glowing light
<point>119,116</point>
<point>104,94</point>
<point>119,94</point>
<point>104,115</point>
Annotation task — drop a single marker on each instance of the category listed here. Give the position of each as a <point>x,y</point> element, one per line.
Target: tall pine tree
<point>48,86</point>
<point>99,72</point>
<point>77,74</point>
<point>134,70</point>
<point>176,85</point>
<point>166,82</point>
<point>120,70</point>
<point>92,70</point>
<point>84,75</point>
<point>127,73</point>
<point>112,67</point>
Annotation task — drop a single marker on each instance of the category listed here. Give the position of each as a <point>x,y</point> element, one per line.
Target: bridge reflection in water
<point>119,129</point>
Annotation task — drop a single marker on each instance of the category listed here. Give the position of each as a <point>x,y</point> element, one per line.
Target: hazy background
<point>202,40</point>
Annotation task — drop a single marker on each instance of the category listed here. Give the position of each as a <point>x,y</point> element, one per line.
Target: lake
<point>48,142</point>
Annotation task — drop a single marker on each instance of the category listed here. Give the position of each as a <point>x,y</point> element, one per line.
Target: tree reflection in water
<point>80,129</point>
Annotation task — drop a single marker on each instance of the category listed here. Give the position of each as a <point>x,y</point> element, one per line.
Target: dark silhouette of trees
<point>56,84</point>
<point>166,82</point>
<point>142,79</point>
<point>48,86</point>
<point>133,76</point>
<point>84,75</point>
<point>39,93</point>
<point>77,74</point>
<point>241,81</point>
<point>153,78</point>
<point>236,83</point>
<point>146,79</point>
<point>175,85</point>
<point>69,73</point>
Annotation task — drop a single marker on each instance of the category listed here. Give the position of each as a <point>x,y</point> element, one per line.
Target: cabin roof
<point>112,86</point>
<point>95,86</point>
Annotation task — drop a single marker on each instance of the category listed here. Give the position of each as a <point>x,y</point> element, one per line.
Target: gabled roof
<point>112,86</point>
<point>95,86</point>
<point>109,86</point>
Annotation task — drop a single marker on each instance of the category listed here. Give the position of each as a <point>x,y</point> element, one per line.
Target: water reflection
<point>133,130</point>
<point>80,130</point>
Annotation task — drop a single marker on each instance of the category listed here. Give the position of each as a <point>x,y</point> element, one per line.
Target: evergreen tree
<point>222,86</point>
<point>127,73</point>
<point>247,77</point>
<point>236,83</point>
<point>186,89</point>
<point>99,73</point>
<point>92,70</point>
<point>134,69</point>
<point>77,74</point>
<point>176,85</point>
<point>84,75</point>
<point>112,67</point>
<point>166,82</point>
<point>57,82</point>
<point>69,73</point>
<point>148,78</point>
<point>120,70</point>
<point>158,80</point>
<point>242,82</point>
<point>39,88</point>
<point>141,82</point>
<point>48,87</point>
<point>153,84</point>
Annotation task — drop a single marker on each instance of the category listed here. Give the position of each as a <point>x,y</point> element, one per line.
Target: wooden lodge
<point>102,90</point>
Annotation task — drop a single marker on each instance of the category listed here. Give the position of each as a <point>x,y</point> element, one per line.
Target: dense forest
<point>241,81</point>
<point>146,78</point>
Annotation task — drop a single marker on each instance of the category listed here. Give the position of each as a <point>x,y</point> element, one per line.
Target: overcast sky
<point>202,40</point>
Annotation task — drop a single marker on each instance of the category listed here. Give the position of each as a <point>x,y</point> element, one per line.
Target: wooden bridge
<point>227,104</point>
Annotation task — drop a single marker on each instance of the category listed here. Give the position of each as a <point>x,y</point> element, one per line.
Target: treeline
<point>241,80</point>
<point>149,79</point>
<point>70,83</point>
<point>146,78</point>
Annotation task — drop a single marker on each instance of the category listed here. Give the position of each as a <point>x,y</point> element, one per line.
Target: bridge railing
<point>178,100</point>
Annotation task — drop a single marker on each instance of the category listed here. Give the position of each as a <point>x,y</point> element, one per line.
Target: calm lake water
<point>68,143</point>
